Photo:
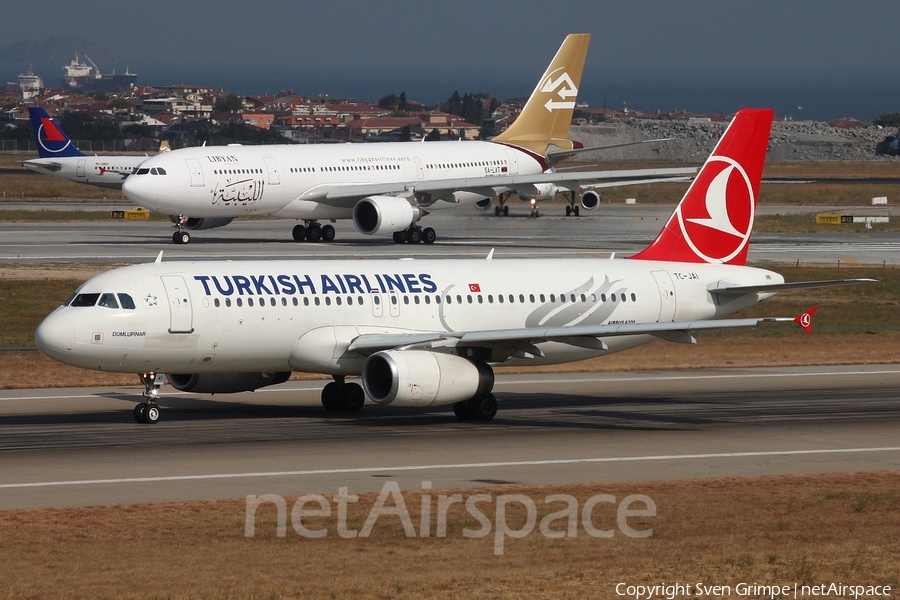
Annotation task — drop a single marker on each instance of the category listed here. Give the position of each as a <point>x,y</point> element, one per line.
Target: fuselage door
<point>79,168</point>
<point>512,159</point>
<point>394,299</point>
<point>377,304</point>
<point>666,296</point>
<point>181,317</point>
<point>196,172</point>
<point>420,172</point>
<point>272,168</point>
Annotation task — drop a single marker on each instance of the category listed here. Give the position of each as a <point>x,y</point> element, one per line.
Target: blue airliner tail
<point>51,141</point>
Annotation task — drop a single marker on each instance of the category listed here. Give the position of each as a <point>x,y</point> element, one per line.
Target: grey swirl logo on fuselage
<point>592,312</point>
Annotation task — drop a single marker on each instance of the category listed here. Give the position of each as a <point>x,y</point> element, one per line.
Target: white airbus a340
<point>384,187</point>
<point>426,332</point>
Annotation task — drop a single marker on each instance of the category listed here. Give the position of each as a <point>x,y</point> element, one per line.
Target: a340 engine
<point>384,214</point>
<point>423,378</point>
<point>195,224</point>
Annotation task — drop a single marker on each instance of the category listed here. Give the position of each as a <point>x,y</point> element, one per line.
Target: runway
<point>77,447</point>
<point>620,230</point>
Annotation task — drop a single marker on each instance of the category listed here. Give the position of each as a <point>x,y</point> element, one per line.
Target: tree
<point>887,120</point>
<point>406,133</point>
<point>434,136</point>
<point>230,103</point>
<point>389,102</point>
<point>403,105</point>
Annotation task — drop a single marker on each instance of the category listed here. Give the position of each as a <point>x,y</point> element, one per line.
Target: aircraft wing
<point>521,343</point>
<point>347,195</point>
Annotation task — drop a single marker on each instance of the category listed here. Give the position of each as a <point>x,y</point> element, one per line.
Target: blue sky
<point>499,46</point>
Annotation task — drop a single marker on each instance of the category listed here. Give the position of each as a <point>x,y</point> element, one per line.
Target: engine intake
<point>195,224</point>
<point>384,214</point>
<point>590,200</point>
<point>423,378</point>
<point>225,383</point>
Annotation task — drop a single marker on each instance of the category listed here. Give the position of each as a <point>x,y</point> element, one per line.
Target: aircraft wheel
<point>314,233</point>
<point>505,211</point>
<point>399,237</point>
<point>354,397</point>
<point>497,211</point>
<point>327,233</point>
<point>139,411</point>
<point>414,236</point>
<point>152,413</point>
<point>299,233</point>
<point>331,397</point>
<point>483,408</point>
<point>575,210</point>
<point>461,410</point>
<point>429,235</point>
<point>568,211</point>
<point>181,237</point>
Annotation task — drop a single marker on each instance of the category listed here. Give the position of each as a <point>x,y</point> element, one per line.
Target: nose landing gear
<point>148,412</point>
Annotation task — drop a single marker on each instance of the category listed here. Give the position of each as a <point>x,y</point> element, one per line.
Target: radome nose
<point>55,336</point>
<point>133,189</point>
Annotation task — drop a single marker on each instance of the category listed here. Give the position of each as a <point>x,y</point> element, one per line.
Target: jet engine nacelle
<point>384,214</point>
<point>590,199</point>
<point>225,383</point>
<point>195,224</point>
<point>484,203</point>
<point>422,378</point>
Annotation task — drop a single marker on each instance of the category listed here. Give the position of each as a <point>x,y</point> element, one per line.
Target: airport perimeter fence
<point>89,146</point>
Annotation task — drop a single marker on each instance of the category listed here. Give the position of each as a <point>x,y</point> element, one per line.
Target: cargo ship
<point>87,77</point>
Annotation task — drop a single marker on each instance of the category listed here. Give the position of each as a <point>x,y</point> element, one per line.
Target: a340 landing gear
<point>181,236</point>
<point>311,231</point>
<point>415,235</point>
<point>339,396</point>
<point>502,209</point>
<point>481,408</point>
<point>572,209</point>
<point>148,411</point>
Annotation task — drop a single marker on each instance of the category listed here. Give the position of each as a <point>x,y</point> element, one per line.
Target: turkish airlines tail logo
<point>713,221</point>
<point>564,88</point>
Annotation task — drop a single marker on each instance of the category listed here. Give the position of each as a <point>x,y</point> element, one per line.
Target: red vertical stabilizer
<point>713,221</point>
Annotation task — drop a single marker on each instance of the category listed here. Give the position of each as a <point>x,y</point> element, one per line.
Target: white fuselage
<point>266,316</point>
<point>294,181</point>
<point>103,171</point>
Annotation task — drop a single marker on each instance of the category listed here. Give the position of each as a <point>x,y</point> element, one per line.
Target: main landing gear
<point>572,209</point>
<point>311,231</point>
<point>148,412</point>
<point>339,396</point>
<point>415,235</point>
<point>502,209</point>
<point>481,408</point>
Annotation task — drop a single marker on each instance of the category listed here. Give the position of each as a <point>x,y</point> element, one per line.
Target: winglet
<point>805,320</point>
<point>159,258</point>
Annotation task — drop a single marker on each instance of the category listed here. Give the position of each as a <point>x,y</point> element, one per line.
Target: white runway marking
<point>523,463</point>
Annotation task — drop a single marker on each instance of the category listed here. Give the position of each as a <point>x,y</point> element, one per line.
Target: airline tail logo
<point>713,221</point>
<point>718,230</point>
<point>51,138</point>
<point>564,88</point>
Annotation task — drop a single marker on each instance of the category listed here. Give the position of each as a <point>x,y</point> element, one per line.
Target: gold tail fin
<point>544,122</point>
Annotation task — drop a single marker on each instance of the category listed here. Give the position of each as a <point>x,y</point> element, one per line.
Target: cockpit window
<point>142,171</point>
<point>153,171</point>
<point>126,301</point>
<point>85,300</point>
<point>108,300</point>
<point>161,171</point>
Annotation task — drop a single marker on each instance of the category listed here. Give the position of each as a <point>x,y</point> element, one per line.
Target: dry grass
<point>808,529</point>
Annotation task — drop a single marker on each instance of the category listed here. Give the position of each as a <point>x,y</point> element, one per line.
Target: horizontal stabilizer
<point>740,290</point>
<point>554,156</point>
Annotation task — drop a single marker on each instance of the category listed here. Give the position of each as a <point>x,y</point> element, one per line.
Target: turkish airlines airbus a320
<point>426,332</point>
<point>384,187</point>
